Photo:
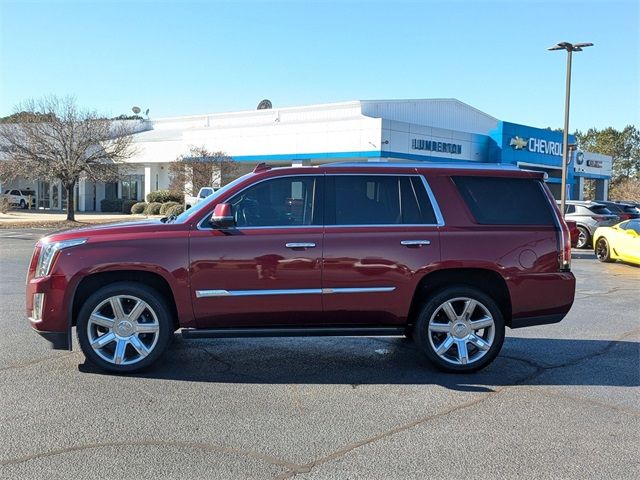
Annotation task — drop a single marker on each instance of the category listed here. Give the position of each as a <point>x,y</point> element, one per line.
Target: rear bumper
<point>538,320</point>
<point>541,298</point>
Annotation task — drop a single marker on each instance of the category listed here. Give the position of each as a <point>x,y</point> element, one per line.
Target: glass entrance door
<point>44,199</point>
<point>55,196</point>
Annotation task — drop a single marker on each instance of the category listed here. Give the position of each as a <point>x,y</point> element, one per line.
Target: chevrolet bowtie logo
<point>518,143</point>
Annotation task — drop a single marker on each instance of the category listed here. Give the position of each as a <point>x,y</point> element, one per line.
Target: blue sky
<point>180,58</point>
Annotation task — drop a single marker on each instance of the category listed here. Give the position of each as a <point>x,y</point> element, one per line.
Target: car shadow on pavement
<point>371,361</point>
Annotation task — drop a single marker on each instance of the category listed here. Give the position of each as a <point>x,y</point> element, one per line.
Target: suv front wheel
<point>460,329</point>
<point>124,327</point>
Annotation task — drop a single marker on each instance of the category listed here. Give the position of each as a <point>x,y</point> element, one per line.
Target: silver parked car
<point>588,216</point>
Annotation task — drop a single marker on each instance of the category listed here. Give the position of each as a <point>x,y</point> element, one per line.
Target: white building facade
<point>371,130</point>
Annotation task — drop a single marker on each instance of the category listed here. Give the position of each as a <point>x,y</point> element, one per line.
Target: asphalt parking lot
<point>561,401</point>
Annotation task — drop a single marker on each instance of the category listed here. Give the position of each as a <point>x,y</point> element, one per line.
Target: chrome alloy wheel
<point>123,329</point>
<point>461,331</point>
<point>582,238</point>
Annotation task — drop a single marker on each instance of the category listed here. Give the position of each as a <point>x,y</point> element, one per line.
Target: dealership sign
<point>536,145</point>
<point>434,146</point>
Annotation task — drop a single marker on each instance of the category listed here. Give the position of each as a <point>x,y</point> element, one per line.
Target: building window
<point>111,190</point>
<point>130,187</point>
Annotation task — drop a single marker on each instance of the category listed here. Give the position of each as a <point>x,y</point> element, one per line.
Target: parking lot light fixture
<point>570,48</point>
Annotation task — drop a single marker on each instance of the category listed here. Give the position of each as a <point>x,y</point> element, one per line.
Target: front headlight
<point>48,253</point>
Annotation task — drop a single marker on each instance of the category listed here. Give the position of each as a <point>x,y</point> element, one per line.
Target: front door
<point>381,236</point>
<point>267,270</point>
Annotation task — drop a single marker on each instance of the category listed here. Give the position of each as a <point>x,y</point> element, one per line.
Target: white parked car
<point>20,198</point>
<point>204,192</point>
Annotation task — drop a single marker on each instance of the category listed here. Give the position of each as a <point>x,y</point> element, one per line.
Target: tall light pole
<point>570,48</point>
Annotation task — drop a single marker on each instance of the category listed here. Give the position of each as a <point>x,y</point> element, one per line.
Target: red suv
<point>447,254</point>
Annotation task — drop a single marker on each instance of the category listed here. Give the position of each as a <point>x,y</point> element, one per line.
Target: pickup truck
<point>204,192</point>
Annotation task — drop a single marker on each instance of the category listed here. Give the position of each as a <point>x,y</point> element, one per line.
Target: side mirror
<point>222,216</point>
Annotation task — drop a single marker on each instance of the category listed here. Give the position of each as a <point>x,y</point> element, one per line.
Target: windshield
<point>187,214</point>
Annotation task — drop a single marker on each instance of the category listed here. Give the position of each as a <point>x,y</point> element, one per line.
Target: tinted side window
<point>415,205</point>
<point>505,201</point>
<point>570,208</point>
<point>377,200</point>
<point>285,201</point>
<point>600,210</point>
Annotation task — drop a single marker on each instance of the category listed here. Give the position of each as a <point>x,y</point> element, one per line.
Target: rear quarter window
<point>505,201</point>
<point>600,210</point>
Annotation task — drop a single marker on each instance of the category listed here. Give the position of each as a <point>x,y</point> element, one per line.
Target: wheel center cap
<point>459,330</point>
<point>124,328</point>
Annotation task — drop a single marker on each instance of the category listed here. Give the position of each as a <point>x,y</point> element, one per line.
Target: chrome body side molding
<point>295,291</point>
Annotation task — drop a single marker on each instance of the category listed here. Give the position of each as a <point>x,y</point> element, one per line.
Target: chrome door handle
<point>415,243</point>
<point>300,245</point>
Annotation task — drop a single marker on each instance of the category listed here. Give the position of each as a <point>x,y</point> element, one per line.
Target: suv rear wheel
<point>583,238</point>
<point>124,327</point>
<point>460,329</point>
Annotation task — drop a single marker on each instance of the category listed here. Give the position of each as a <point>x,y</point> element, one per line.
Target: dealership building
<point>427,130</point>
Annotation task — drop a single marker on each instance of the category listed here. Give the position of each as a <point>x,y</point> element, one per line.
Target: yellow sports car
<point>622,241</point>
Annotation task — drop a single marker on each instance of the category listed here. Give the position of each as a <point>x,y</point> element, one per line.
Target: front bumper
<point>57,340</point>
<point>53,314</point>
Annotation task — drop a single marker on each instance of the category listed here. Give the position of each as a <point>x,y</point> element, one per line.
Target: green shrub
<point>166,206</point>
<point>175,210</point>
<point>138,207</point>
<point>164,196</point>
<point>153,208</point>
<point>111,205</point>
<point>127,204</point>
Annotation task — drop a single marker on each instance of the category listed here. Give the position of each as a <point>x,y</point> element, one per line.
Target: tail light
<point>564,235</point>
<point>564,259</point>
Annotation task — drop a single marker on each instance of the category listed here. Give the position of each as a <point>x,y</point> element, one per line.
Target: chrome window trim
<point>434,203</point>
<point>430,195</point>
<point>293,291</point>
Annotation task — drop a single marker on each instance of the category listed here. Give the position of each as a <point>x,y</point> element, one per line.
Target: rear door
<point>381,232</point>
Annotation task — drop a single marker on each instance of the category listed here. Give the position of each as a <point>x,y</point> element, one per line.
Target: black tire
<point>23,204</point>
<point>432,307</point>
<point>602,250</point>
<point>584,238</point>
<point>156,306</point>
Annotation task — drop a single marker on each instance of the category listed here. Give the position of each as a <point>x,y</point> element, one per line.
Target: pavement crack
<point>36,361</point>
<point>576,361</point>
<point>538,370</point>
<point>306,468</point>
<point>588,401</point>
<point>155,443</point>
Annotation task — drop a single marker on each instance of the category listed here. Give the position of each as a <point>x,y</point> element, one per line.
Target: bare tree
<point>199,168</point>
<point>54,139</point>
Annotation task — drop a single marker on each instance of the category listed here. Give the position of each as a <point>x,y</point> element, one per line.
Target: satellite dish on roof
<point>135,110</point>
<point>265,105</point>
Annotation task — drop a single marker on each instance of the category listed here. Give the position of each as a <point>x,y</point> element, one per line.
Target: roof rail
<point>261,167</point>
